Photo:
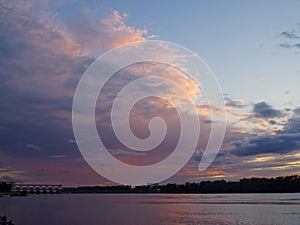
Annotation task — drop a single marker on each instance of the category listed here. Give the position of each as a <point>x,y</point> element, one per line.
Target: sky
<point>253,48</point>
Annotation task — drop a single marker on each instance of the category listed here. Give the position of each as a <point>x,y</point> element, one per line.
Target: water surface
<point>152,209</point>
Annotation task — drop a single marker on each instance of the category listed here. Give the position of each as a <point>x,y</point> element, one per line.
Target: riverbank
<point>12,194</point>
<point>288,184</point>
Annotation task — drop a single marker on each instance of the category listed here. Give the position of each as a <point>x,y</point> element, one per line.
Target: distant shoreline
<point>287,184</point>
<point>139,193</point>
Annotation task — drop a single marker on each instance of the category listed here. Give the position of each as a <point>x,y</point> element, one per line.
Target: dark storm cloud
<point>280,143</point>
<point>283,141</point>
<point>264,110</point>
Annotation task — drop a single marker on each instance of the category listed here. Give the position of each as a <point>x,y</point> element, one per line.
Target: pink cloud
<point>109,32</point>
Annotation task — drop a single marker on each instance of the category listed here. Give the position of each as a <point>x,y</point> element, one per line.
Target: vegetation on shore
<point>5,190</point>
<point>246,185</point>
<point>287,184</point>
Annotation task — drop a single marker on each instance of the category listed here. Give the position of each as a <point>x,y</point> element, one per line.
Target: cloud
<point>293,125</point>
<point>34,147</point>
<point>8,179</point>
<point>56,156</point>
<point>280,144</point>
<point>148,108</point>
<point>290,39</point>
<point>288,45</point>
<point>103,34</point>
<point>289,34</point>
<point>272,122</point>
<point>280,141</point>
<point>234,103</point>
<point>35,54</point>
<point>120,152</point>
<point>297,111</point>
<point>260,80</point>
<point>72,141</point>
<point>10,174</point>
<point>40,66</point>
<point>263,110</point>
<point>41,62</point>
<point>267,163</point>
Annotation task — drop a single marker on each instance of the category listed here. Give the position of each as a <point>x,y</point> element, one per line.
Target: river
<point>152,209</point>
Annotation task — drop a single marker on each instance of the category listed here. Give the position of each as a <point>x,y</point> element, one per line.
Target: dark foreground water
<point>152,209</point>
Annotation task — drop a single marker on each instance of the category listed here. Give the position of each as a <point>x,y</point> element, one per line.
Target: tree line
<point>5,187</point>
<point>246,185</point>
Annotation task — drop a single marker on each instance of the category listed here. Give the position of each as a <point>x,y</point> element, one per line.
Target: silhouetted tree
<point>5,187</point>
<point>245,185</point>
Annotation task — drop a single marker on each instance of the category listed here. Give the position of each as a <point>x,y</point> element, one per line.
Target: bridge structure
<point>37,188</point>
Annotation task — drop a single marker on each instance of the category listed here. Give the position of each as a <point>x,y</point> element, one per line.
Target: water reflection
<point>5,221</point>
<point>153,209</point>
